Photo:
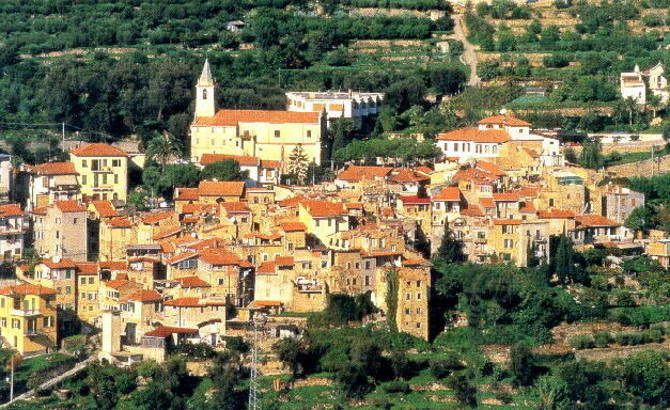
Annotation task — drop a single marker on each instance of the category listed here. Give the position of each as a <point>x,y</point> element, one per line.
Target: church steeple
<point>205,99</point>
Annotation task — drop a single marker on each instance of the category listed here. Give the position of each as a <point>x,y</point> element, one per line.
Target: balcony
<point>25,312</point>
<point>480,240</point>
<point>31,332</point>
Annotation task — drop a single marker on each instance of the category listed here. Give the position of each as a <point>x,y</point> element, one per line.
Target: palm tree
<point>630,105</point>
<point>162,148</point>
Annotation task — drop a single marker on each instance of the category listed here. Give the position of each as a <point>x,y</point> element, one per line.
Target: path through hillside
<point>469,56</point>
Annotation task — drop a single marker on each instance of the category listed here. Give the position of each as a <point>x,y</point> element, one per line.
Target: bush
<point>396,386</point>
<point>602,339</point>
<point>641,315</point>
<point>582,342</point>
<point>443,367</point>
<point>629,338</point>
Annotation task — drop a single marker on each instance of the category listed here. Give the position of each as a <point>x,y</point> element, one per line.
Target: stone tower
<point>205,105</point>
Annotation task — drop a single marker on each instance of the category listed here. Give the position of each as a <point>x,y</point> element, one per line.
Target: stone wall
<point>643,168</point>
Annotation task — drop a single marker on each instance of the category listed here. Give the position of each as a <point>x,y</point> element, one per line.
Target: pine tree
<point>451,250</point>
<point>298,164</point>
<point>564,263</point>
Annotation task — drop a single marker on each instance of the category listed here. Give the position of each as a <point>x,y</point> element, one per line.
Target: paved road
<point>469,56</point>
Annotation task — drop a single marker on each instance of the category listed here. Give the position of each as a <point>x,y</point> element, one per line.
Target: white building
<point>13,227</point>
<point>487,140</point>
<point>353,105</point>
<point>632,86</point>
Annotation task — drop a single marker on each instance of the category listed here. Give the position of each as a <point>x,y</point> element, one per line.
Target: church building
<point>265,134</point>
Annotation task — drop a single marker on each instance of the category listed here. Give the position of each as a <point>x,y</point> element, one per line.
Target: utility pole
<point>653,168</point>
<point>63,135</point>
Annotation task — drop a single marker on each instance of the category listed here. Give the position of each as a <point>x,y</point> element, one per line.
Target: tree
<point>521,364</point>
<point>138,200</point>
<point>340,133</point>
<point>465,391</point>
<point>292,353</point>
<point>226,170</point>
<point>640,219</point>
<point>163,148</point>
<point>225,375</point>
<point>392,298</point>
<point>298,164</point>
<point>450,250</point>
<point>591,155</point>
<point>564,262</point>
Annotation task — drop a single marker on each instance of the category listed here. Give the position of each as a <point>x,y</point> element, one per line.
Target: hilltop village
<point>201,268</point>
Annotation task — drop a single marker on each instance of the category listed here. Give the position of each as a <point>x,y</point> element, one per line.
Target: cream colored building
<point>352,105</point>
<point>268,135</point>
<point>103,172</point>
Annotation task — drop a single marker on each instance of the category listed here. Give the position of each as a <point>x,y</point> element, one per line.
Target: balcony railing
<point>25,312</point>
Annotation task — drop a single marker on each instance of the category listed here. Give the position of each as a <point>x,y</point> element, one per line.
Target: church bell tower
<point>204,90</point>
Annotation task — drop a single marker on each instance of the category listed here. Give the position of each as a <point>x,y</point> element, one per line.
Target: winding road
<point>469,56</point>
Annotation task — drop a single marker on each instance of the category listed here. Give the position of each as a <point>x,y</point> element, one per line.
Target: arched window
<point>204,94</point>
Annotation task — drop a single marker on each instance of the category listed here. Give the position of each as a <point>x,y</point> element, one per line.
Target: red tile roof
<point>70,206</point>
<point>556,214</point>
<point>120,223</point>
<point>472,210</point>
<point>187,194</point>
<point>114,265</point>
<point>284,261</point>
<point>527,207</point>
<point>292,226</point>
<point>219,256</point>
<point>62,264</point>
<point>230,118</point>
<point>87,268</point>
<point>165,331</point>
<point>156,217</point>
<point>472,134</point>
<point>477,176</point>
<point>105,209</point>
<point>491,168</point>
<point>266,303</point>
<point>27,289</point>
<point>506,197</point>
<point>266,268</point>
<point>181,257</point>
<point>414,200</point>
<point>221,188</point>
<point>117,283</point>
<point>405,176</point>
<point>270,164</point>
<point>324,209</point>
<point>55,168</point>
<point>243,160</point>
<point>358,173</point>
<point>192,302</point>
<point>504,120</point>
<point>594,221</point>
<point>449,193</point>
<point>507,222</point>
<point>42,210</point>
<point>487,202</point>
<point>8,210</point>
<point>235,208</point>
<point>98,150</point>
<point>145,296</point>
<point>192,282</point>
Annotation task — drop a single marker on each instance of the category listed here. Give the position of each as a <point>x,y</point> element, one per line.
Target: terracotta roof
<point>155,217</point>
<point>527,207</point>
<point>270,164</point>
<point>193,302</point>
<point>167,233</point>
<point>114,265</point>
<point>192,282</point>
<point>27,289</point>
<point>507,222</point>
<point>70,206</point>
<point>472,210</point>
<point>62,264</point>
<point>594,221</point>
<point>187,194</point>
<point>284,261</point>
<point>165,331</point>
<point>414,200</point>
<point>530,152</point>
<point>219,256</point>
<point>353,205</point>
<point>292,201</point>
<point>292,226</point>
<point>98,150</point>
<point>42,210</point>
<point>105,209</point>
<point>235,208</point>
<point>266,303</point>
<point>122,222</point>
<point>477,176</point>
<point>117,283</point>
<point>10,210</point>
<point>266,268</point>
<point>504,120</point>
<point>487,202</point>
<point>424,169</point>
<point>506,196</point>
<point>449,193</point>
<point>230,118</point>
<point>205,243</point>
<point>415,262</point>
<point>243,160</point>
<point>357,173</point>
<point>528,191</point>
<point>181,257</point>
<point>145,296</point>
<point>473,134</point>
<point>55,168</point>
<point>491,168</point>
<point>87,268</point>
<point>221,188</point>
<point>555,214</point>
<point>324,209</point>
<point>405,175</point>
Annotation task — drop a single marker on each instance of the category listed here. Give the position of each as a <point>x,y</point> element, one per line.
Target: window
<point>204,94</point>
<point>367,281</point>
<point>116,162</point>
<point>74,221</point>
<point>3,322</point>
<point>83,179</point>
<point>418,296</point>
<point>104,179</point>
<point>68,273</point>
<point>84,164</point>
<point>116,179</point>
<point>309,134</point>
<point>277,134</point>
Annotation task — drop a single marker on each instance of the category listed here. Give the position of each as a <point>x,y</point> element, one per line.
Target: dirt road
<point>469,56</point>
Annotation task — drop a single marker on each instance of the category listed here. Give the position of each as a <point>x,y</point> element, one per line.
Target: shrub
<point>442,367</point>
<point>396,386</point>
<point>629,338</point>
<point>582,342</point>
<point>602,339</point>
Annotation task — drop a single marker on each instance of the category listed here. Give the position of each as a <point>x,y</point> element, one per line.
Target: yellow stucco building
<point>103,172</point>
<point>268,135</point>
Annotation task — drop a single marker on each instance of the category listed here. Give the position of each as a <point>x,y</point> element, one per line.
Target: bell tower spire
<point>204,90</point>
